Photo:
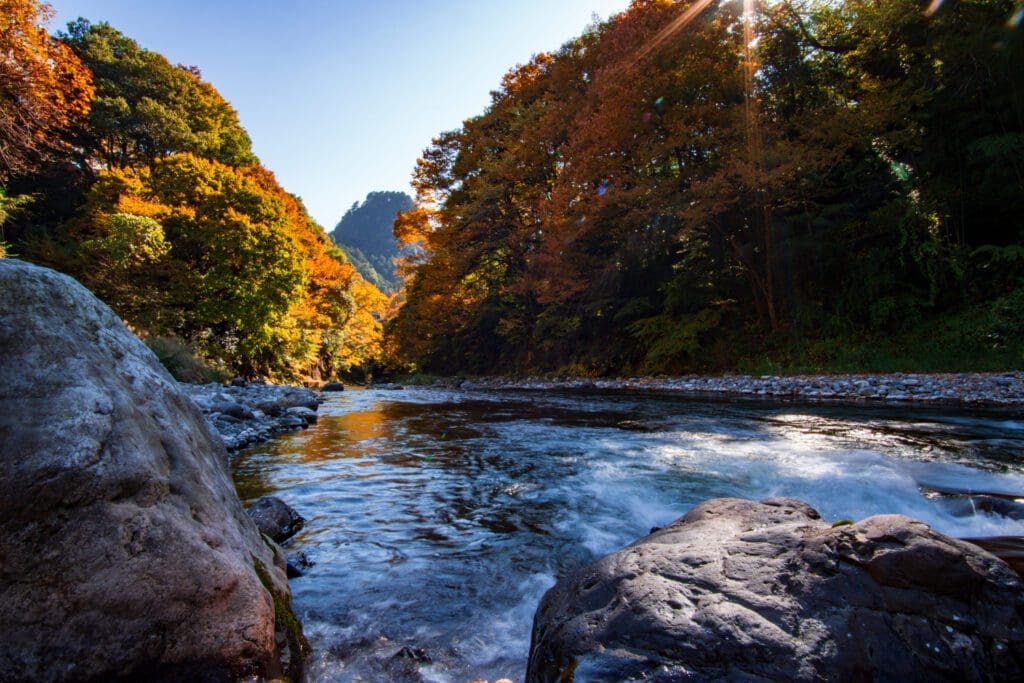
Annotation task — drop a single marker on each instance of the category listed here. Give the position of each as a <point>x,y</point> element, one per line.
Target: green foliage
<point>185,365</point>
<point>130,240</point>
<point>674,343</point>
<point>369,269</point>
<point>161,208</point>
<point>10,206</point>
<point>146,108</point>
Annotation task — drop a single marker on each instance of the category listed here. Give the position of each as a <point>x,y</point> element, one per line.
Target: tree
<point>667,193</point>
<point>146,108</point>
<point>44,88</point>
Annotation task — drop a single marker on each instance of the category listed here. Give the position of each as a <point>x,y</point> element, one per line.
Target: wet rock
<point>973,505</point>
<point>1009,549</point>
<point>124,551</point>
<point>737,590</point>
<point>275,518</point>
<point>291,422</point>
<point>333,386</point>
<point>413,654</point>
<point>305,414</point>
<point>297,564</point>
<point>257,411</point>
<point>270,408</point>
<point>238,382</point>
<point>235,410</point>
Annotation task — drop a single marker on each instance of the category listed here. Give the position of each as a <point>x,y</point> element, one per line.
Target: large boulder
<point>737,590</point>
<point>124,551</point>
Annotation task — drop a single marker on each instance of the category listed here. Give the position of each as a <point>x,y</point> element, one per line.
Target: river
<point>436,519</point>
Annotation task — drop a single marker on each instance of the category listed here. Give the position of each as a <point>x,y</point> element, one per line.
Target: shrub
<point>184,364</point>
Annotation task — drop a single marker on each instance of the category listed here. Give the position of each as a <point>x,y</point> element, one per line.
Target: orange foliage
<point>44,88</point>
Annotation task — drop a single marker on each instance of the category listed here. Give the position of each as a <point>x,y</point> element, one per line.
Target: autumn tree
<point>684,185</point>
<point>44,88</point>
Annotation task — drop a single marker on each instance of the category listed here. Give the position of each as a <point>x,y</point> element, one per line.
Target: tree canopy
<point>682,186</point>
<point>44,88</point>
<point>146,108</point>
<point>161,207</point>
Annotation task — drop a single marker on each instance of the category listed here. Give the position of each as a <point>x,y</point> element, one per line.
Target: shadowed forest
<point>689,188</point>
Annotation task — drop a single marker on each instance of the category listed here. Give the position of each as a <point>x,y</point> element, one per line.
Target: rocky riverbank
<point>981,389</point>
<point>247,414</point>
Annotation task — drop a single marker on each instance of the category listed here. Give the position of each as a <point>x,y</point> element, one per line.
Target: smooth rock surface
<point>275,518</point>
<point>124,551</point>
<point>737,590</point>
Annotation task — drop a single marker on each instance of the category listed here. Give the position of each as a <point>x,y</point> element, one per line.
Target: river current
<point>436,519</point>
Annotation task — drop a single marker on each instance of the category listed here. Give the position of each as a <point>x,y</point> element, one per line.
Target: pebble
<point>252,413</point>
<point>978,389</point>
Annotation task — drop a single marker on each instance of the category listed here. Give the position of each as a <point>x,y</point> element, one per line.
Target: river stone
<point>275,518</point>
<point>303,413</point>
<point>737,590</point>
<point>124,551</point>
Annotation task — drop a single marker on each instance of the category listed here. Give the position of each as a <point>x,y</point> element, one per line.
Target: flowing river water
<point>436,519</point>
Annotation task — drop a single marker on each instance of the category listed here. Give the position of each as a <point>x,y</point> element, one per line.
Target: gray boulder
<point>124,551</point>
<point>737,590</point>
<point>275,518</point>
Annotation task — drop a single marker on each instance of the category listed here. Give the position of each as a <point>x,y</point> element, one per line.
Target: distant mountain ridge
<point>364,232</point>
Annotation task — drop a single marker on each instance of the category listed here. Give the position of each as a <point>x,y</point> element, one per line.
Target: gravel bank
<point>981,389</point>
<point>250,414</point>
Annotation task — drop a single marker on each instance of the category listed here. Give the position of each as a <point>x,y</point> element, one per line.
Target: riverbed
<point>437,518</point>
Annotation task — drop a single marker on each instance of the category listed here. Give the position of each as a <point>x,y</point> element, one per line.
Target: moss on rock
<point>285,622</point>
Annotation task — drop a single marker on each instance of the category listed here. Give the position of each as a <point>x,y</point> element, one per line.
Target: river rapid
<point>436,519</point>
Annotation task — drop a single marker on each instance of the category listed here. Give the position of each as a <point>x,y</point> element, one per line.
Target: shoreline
<point>996,390</point>
<point>248,414</point>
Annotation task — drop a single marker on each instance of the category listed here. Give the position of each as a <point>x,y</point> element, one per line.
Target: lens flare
<point>677,25</point>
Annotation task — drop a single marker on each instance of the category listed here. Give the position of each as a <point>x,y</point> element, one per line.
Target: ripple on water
<point>437,519</point>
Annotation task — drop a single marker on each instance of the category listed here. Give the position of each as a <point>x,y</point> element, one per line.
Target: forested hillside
<point>815,185</point>
<point>364,232</point>
<point>134,176</point>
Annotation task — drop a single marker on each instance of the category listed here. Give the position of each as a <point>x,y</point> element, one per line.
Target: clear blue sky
<point>340,97</point>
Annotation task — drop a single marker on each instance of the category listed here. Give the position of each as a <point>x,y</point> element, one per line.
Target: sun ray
<point>674,27</point>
